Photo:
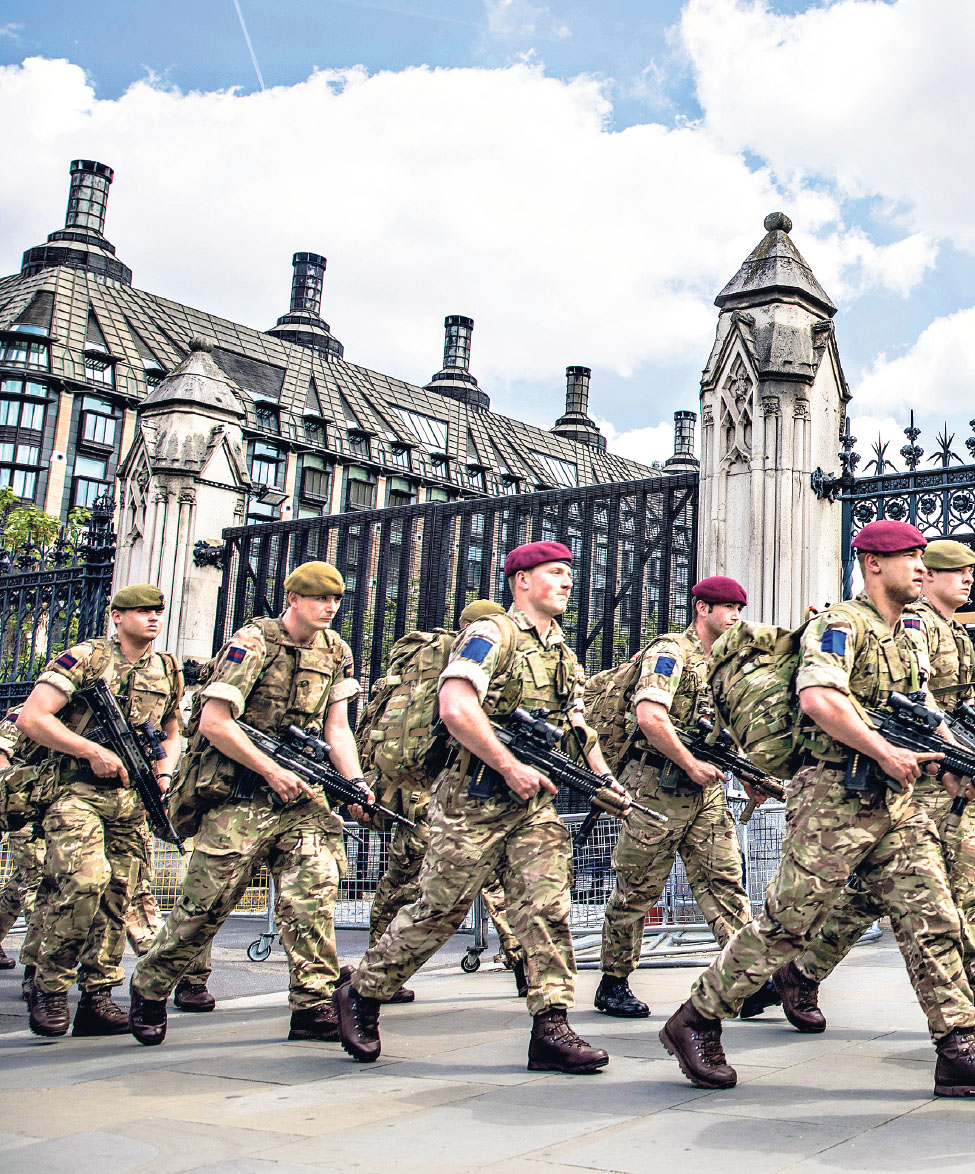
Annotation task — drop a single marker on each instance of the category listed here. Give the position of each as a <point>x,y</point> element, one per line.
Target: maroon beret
<point>719,589</point>
<point>887,537</point>
<point>533,554</point>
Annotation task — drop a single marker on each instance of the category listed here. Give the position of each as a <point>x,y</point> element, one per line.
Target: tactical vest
<point>537,677</point>
<point>952,662</point>
<point>291,689</point>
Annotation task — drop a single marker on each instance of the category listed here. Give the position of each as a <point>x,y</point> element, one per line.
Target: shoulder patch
<point>476,649</point>
<point>236,654</point>
<point>66,660</point>
<point>665,665</point>
<point>912,622</point>
<point>834,641</point>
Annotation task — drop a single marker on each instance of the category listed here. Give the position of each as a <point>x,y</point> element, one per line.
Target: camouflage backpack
<point>397,731</point>
<point>607,700</point>
<point>752,676</point>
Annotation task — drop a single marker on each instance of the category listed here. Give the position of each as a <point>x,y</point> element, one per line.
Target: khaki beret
<point>946,555</point>
<point>479,609</point>
<point>315,579</point>
<point>137,595</point>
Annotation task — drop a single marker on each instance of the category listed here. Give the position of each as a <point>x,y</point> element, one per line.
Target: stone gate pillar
<point>773,404</point>
<point>183,480</point>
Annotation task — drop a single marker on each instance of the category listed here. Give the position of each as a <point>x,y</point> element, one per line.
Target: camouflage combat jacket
<point>148,690</point>
<point>851,647</point>
<point>951,655</point>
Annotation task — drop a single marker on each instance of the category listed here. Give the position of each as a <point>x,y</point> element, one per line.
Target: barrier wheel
<point>470,963</point>
<point>259,949</point>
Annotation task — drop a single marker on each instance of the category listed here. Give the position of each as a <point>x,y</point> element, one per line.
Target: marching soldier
<point>853,655</point>
<point>671,694</point>
<point>398,885</point>
<point>271,674</point>
<point>25,854</point>
<point>94,849</point>
<point>947,586</point>
<point>515,831</point>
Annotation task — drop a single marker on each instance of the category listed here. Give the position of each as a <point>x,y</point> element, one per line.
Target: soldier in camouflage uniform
<point>947,585</point>
<point>92,822</point>
<point>25,855</point>
<point>515,831</point>
<point>852,656</point>
<point>271,674</point>
<point>670,695</point>
<point>399,886</point>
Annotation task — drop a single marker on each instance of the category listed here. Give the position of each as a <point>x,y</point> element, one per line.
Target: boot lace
<point>709,1047</point>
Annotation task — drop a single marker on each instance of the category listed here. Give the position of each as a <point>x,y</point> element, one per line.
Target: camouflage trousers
<point>302,847</point>
<point>529,849</point>
<point>859,906</point>
<point>94,853</point>
<point>399,886</point>
<point>700,829</point>
<point>25,852</point>
<point>894,848</point>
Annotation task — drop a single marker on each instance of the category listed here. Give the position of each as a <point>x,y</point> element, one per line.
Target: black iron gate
<point>52,594</point>
<point>633,545</point>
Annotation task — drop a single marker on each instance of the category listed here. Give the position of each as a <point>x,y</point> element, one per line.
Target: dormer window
<point>99,366</point>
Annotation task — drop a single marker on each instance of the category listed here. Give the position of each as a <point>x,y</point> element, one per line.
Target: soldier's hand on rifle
<point>703,773</point>
<point>525,781</point>
<point>357,813</point>
<point>285,783</point>
<point>105,764</point>
<point>904,766</point>
<point>756,797</point>
<point>958,786</point>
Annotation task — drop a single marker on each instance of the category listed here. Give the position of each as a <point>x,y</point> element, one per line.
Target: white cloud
<point>654,443</point>
<point>935,376</point>
<point>873,96</point>
<point>502,194</point>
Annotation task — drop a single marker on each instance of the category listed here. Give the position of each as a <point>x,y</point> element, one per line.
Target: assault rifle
<point>138,747</point>
<point>306,754</point>
<point>533,740</point>
<point>909,723</point>
<point>720,751</point>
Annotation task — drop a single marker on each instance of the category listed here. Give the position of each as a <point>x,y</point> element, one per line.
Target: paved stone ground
<point>227,1094</point>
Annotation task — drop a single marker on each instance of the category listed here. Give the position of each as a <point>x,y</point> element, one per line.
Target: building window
<point>267,416</point>
<point>30,354</point>
<point>90,480</point>
<point>399,492</point>
<point>440,467</point>
<point>360,492</point>
<point>97,425</point>
<point>315,431</point>
<point>476,479</point>
<point>316,484</point>
<point>21,414</point>
<point>554,470</point>
<point>360,444</point>
<point>154,376</point>
<point>400,457</point>
<point>265,464</point>
<point>429,431</point>
<point>99,368</point>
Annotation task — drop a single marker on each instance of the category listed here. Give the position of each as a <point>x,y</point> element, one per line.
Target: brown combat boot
<point>403,995</point>
<point>755,1003</point>
<point>97,1014</point>
<point>147,1018</point>
<point>318,1022</point>
<point>954,1074</point>
<point>6,962</point>
<point>555,1047</point>
<point>27,983</point>
<point>49,1012</point>
<point>345,976</point>
<point>800,999</point>
<point>193,996</point>
<point>695,1043</point>
<point>358,1020</point>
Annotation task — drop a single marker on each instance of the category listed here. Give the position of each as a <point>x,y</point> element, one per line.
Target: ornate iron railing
<point>51,595</point>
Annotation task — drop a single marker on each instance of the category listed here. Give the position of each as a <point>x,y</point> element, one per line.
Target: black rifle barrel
<point>137,749</point>
<point>722,754</point>
<point>305,755</point>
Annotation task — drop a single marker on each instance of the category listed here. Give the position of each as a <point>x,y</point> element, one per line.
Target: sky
<point>581,179</point>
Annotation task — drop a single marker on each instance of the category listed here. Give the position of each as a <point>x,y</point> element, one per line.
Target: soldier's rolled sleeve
<point>826,653</point>
<point>235,672</point>
<point>68,670</point>
<point>344,684</point>
<point>660,674</point>
<point>474,657</point>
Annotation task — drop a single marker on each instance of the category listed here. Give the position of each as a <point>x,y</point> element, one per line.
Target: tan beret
<point>479,609</point>
<point>137,595</point>
<point>946,555</point>
<point>315,579</point>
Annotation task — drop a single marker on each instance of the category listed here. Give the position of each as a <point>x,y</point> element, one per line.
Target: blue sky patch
<point>476,649</point>
<point>665,665</point>
<point>834,641</point>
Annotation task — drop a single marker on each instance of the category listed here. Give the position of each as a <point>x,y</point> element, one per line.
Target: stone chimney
<point>455,379</point>
<point>81,244</point>
<point>576,424</point>
<point>683,460</point>
<point>303,324</point>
